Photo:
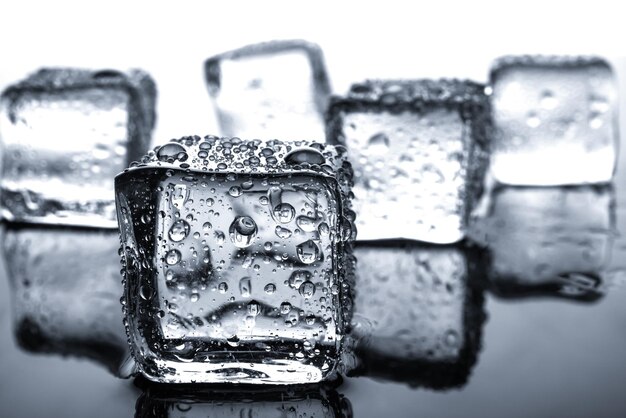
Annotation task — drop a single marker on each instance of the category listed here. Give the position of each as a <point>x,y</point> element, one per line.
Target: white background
<point>360,40</point>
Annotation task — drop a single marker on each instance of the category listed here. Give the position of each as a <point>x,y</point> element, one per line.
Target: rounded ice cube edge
<point>195,156</point>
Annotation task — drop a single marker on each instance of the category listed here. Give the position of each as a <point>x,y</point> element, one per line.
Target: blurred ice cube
<point>65,292</point>
<point>65,134</point>
<point>288,402</point>
<point>555,120</point>
<point>418,313</point>
<point>548,241</point>
<point>270,90</point>
<point>419,152</point>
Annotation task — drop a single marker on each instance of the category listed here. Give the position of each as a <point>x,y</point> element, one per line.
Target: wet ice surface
<point>418,153</point>
<point>271,90</point>
<point>555,120</point>
<point>235,268</point>
<point>65,134</point>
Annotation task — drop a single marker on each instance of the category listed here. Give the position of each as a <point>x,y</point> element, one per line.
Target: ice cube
<point>548,241</point>
<point>270,90</point>
<point>66,133</point>
<point>418,313</point>
<point>555,120</point>
<point>419,151</point>
<point>191,402</point>
<point>65,292</point>
<point>236,260</point>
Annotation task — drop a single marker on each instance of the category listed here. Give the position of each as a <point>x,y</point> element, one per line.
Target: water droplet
<point>304,155</point>
<point>284,213</point>
<point>308,252</point>
<point>298,277</point>
<point>323,229</point>
<point>242,231</point>
<point>533,120</point>
<point>548,101</point>
<point>306,223</point>
<point>378,144</point>
<point>245,287</point>
<point>270,288</point>
<point>145,292</point>
<point>146,218</point>
<point>285,307</point>
<point>194,297</point>
<point>206,226</point>
<point>222,287</point>
<point>254,308</point>
<point>235,191</point>
<point>171,152</point>
<point>451,338</point>
<point>219,237</point>
<point>172,257</point>
<point>179,230</point>
<point>283,233</point>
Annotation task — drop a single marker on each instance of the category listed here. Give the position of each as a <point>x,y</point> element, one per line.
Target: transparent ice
<point>419,150</point>
<point>236,260</point>
<point>418,313</point>
<point>555,120</point>
<point>548,241</point>
<point>305,402</point>
<point>65,134</point>
<point>276,89</point>
<point>65,292</point>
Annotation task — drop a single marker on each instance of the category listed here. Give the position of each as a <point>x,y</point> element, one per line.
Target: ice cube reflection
<point>418,313</point>
<point>65,291</point>
<point>548,241</point>
<point>220,401</point>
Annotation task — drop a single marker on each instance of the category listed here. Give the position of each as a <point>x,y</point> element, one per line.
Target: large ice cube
<point>418,313</point>
<point>418,149</point>
<point>192,402</point>
<point>555,120</point>
<point>65,292</point>
<point>270,90</point>
<point>65,134</point>
<point>548,241</point>
<point>236,259</point>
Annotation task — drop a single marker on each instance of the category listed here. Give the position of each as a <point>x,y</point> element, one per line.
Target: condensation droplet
<point>378,144</point>
<point>284,213</point>
<point>242,231</point>
<point>304,155</point>
<point>172,257</point>
<point>283,233</point>
<point>307,290</point>
<point>308,252</point>
<point>245,287</point>
<point>179,230</point>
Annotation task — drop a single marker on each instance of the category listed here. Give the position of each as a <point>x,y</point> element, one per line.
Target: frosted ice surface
<point>419,151</point>
<point>552,241</point>
<point>270,90</point>
<point>65,134</point>
<point>236,261</point>
<point>65,292</point>
<point>417,314</point>
<point>555,120</point>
